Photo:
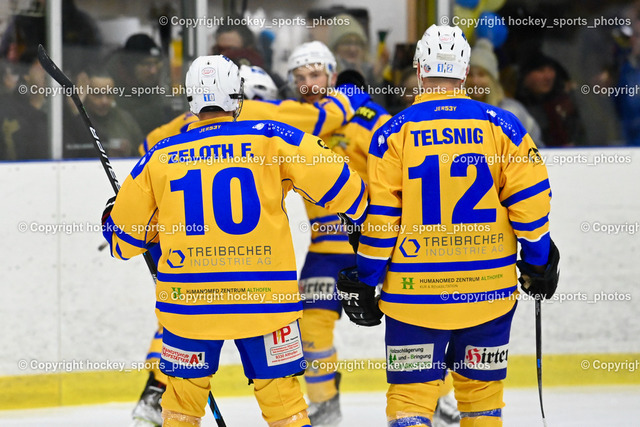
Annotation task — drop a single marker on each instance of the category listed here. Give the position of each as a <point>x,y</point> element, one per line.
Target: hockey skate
<point>327,413</point>
<point>447,414</point>
<point>148,411</point>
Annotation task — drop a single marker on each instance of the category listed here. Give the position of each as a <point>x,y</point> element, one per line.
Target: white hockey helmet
<point>214,81</point>
<point>310,53</point>
<point>257,83</point>
<point>443,51</point>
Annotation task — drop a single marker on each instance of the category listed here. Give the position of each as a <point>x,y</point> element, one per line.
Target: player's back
<point>457,160</point>
<point>227,250</point>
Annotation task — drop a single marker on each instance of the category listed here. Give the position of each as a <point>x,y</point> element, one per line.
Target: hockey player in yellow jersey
<point>454,185</point>
<point>323,116</point>
<point>212,198</point>
<point>311,68</point>
<point>258,85</point>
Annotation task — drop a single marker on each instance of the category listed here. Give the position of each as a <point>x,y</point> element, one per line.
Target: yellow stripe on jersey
<point>213,198</point>
<point>452,183</point>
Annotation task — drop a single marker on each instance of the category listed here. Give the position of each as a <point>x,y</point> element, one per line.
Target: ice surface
<point>565,407</point>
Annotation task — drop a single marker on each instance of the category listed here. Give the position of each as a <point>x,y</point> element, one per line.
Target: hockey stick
<point>216,411</point>
<point>58,75</point>
<point>538,309</point>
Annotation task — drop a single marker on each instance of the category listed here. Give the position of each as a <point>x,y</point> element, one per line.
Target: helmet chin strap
<point>240,96</point>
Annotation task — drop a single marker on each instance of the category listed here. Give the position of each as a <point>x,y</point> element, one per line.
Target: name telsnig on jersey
<point>466,135</point>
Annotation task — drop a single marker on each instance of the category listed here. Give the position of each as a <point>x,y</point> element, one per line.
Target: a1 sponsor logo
<point>182,357</point>
<point>486,358</point>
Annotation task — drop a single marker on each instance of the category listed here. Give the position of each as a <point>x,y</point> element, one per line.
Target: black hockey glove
<point>107,209</point>
<point>358,299</point>
<point>352,230</point>
<point>541,285</point>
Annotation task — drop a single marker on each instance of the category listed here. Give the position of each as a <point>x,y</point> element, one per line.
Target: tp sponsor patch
<point>284,345</point>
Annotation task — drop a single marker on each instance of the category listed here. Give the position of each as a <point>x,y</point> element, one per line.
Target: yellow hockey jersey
<point>320,118</point>
<point>351,141</point>
<point>453,183</point>
<point>213,198</point>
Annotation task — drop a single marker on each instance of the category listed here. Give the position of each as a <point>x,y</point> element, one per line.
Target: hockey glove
<point>358,299</point>
<point>541,285</point>
<point>352,230</point>
<point>107,209</point>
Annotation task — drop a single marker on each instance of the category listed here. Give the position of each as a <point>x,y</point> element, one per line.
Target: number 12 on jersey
<point>464,211</point>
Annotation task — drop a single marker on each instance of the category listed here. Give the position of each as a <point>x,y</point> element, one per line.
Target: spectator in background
<point>117,129</point>
<point>23,119</point>
<point>483,84</point>
<point>544,89</point>
<point>350,45</point>
<point>237,41</point>
<point>9,76</point>
<point>138,68</point>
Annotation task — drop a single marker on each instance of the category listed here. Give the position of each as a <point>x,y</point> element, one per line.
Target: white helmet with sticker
<point>213,81</point>
<point>443,51</point>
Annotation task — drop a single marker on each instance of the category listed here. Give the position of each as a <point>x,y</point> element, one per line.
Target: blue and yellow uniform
<point>329,253</point>
<point>247,160</point>
<point>455,184</point>
<point>319,119</point>
<point>176,126</point>
<point>213,198</point>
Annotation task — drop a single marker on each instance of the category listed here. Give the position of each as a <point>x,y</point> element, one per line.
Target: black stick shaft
<point>216,411</point>
<point>538,308</point>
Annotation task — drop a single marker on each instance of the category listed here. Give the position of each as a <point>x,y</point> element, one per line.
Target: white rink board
<point>65,300</point>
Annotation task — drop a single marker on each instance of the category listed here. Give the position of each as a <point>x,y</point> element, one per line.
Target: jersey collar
<point>436,94</point>
<point>202,123</point>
